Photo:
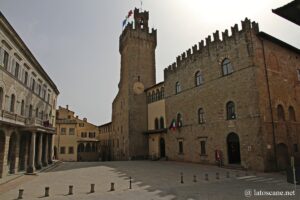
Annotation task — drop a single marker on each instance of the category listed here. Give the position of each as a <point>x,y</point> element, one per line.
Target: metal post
<point>47,191</point>
<point>181,178</point>
<point>92,188</point>
<point>112,186</point>
<point>217,175</point>
<point>70,189</point>
<point>20,194</point>
<point>294,171</point>
<point>130,182</point>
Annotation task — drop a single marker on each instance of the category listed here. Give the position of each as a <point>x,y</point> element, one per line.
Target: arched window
<point>153,96</point>
<point>12,103</point>
<point>230,108</point>
<point>80,147</point>
<point>162,122</point>
<point>30,111</point>
<point>292,115</point>
<point>22,107</point>
<point>162,92</point>
<point>156,125</point>
<point>157,94</point>
<point>226,67</point>
<point>36,112</point>
<point>88,147</point>
<point>177,88</point>
<point>200,116</point>
<point>280,113</point>
<point>198,78</point>
<point>179,120</point>
<point>1,98</point>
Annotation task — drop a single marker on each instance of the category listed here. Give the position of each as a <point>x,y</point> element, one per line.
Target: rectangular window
<point>83,134</point>
<point>91,134</point>
<point>32,84</point>
<point>203,147</point>
<point>62,150</point>
<point>71,150</point>
<point>26,78</point>
<point>5,60</point>
<point>180,145</point>
<point>298,73</point>
<point>63,131</point>
<point>71,131</point>
<point>17,69</point>
<point>39,89</point>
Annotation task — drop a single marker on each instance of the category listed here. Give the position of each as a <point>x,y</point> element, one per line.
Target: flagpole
<point>141,5</point>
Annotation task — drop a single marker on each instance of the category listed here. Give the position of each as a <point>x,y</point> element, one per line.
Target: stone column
<point>45,156</point>
<point>50,152</point>
<point>4,146</point>
<point>31,167</point>
<point>40,149</point>
<point>14,162</point>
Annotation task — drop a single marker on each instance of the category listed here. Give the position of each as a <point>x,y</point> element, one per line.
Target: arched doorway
<point>2,147</point>
<point>282,156</point>
<point>162,148</point>
<point>233,147</point>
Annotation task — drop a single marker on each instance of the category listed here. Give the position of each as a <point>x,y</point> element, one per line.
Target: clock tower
<point>129,115</point>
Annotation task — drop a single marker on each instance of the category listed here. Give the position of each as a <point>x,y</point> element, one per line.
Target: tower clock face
<point>138,87</point>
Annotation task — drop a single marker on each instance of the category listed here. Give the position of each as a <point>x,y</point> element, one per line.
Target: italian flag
<point>173,125</point>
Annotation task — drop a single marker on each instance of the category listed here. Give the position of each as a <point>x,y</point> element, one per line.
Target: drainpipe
<point>270,104</point>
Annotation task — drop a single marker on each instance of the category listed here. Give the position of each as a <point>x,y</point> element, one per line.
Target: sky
<point>77,41</point>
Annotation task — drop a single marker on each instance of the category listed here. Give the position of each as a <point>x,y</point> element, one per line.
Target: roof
<point>153,86</point>
<point>290,11</point>
<point>107,124</point>
<point>279,42</point>
<point>18,41</point>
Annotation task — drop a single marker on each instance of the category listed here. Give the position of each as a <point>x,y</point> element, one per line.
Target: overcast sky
<point>76,41</point>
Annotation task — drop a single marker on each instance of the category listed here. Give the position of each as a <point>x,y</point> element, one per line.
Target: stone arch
<point>280,113</point>
<point>88,147</point>
<point>292,115</point>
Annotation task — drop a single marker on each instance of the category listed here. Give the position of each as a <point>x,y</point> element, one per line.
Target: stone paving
<point>152,180</point>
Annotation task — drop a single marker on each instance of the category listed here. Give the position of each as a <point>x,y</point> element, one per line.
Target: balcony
<point>15,119</point>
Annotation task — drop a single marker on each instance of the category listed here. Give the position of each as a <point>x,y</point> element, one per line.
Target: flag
<point>173,125</point>
<point>130,13</point>
<point>124,22</point>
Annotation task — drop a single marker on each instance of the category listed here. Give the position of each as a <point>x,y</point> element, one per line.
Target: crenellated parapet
<point>204,49</point>
<point>138,29</point>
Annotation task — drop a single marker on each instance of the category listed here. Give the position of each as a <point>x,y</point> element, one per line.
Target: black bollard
<point>92,188</point>
<point>47,191</point>
<point>195,179</point>
<point>130,182</point>
<point>206,177</point>
<point>217,175</point>
<point>181,178</point>
<point>112,186</point>
<point>227,175</point>
<point>20,194</point>
<point>70,189</point>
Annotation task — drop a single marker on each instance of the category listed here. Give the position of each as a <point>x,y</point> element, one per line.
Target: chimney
<point>76,116</point>
<point>67,106</point>
<point>85,119</point>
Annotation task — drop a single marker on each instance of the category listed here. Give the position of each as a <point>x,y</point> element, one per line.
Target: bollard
<point>237,174</point>
<point>47,191</point>
<point>130,182</point>
<point>70,189</point>
<point>246,173</point>
<point>217,175</point>
<point>20,194</point>
<point>227,175</point>
<point>112,186</point>
<point>92,188</point>
<point>181,178</point>
<point>206,177</point>
<point>195,179</point>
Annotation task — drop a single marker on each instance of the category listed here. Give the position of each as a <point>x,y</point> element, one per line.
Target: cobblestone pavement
<point>151,180</point>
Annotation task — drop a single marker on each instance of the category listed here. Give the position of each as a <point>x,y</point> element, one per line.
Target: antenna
<point>141,5</point>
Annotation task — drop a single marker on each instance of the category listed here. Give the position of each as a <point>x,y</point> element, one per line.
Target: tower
<point>129,117</point>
